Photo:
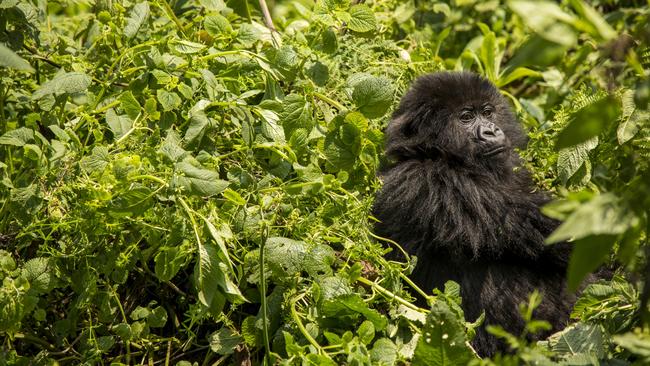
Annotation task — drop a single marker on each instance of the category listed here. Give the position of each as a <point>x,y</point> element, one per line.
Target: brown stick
<point>267,16</point>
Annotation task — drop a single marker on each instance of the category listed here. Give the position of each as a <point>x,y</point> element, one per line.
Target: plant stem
<point>390,294</point>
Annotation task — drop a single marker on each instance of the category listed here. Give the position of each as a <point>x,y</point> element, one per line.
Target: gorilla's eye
<point>466,116</point>
<point>487,112</point>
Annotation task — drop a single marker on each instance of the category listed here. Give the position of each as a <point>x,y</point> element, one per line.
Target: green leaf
<point>18,137</point>
<point>596,25</point>
<point>373,96</point>
<point>547,19</point>
<point>296,113</point>
<point>587,255</point>
<point>234,197</point>
<point>157,318</point>
<point>168,100</point>
<point>39,272</point>
<point>132,203</point>
<point>352,304</point>
<point>96,161</point>
<point>579,338</point>
<point>603,215</point>
<point>10,59</point>
<point>383,352</point>
<point>589,122</point>
<point>570,159</point>
<point>636,343</point>
<point>63,83</point>
<point>516,74</point>
<point>224,341</point>
<point>318,73</point>
<point>186,47</point>
<point>631,118</point>
<point>537,51</point>
<point>209,275</point>
<point>197,180</point>
<point>362,19</point>
<point>220,236</point>
<point>119,125</point>
<point>199,124</point>
<point>136,19</point>
<point>366,332</point>
<point>168,262</point>
<point>129,104</point>
<point>442,341</point>
<point>216,24</point>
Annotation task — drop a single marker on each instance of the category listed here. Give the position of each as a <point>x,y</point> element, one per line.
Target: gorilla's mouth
<point>494,151</point>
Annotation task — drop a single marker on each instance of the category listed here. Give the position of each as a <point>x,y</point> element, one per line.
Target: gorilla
<point>455,195</point>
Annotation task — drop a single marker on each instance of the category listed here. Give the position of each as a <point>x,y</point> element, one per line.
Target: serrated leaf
<point>589,122</point>
<point>40,274</point>
<point>9,58</point>
<point>131,203</point>
<point>137,16</point>
<point>296,113</point>
<point>17,137</point>
<point>603,215</point>
<point>373,96</point>
<point>362,19</point>
<point>63,83</point>
<point>631,118</point>
<point>578,338</point>
<point>442,341</point>
<point>570,159</point>
<point>216,24</point>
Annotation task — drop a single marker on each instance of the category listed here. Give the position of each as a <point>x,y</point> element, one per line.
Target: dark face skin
<point>478,121</point>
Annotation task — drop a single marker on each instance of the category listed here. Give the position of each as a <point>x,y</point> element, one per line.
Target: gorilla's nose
<point>490,133</point>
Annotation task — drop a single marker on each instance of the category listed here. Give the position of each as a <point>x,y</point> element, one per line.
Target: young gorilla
<point>456,196</point>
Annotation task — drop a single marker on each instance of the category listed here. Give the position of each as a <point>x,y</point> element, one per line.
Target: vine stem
<point>329,100</point>
<point>390,294</point>
<point>265,320</point>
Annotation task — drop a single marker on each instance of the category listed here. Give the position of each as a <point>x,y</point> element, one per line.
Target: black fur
<point>467,217</point>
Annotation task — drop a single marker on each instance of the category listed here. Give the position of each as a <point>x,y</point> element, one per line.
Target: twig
<point>267,16</point>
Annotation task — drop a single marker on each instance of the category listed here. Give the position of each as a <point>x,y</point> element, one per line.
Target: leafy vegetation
<point>189,183</point>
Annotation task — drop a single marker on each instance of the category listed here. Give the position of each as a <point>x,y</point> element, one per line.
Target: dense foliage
<point>187,182</point>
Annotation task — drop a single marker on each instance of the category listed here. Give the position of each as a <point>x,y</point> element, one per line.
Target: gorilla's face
<point>458,117</point>
<point>478,123</point>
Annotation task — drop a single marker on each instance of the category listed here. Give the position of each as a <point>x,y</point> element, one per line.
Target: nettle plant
<point>188,182</point>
